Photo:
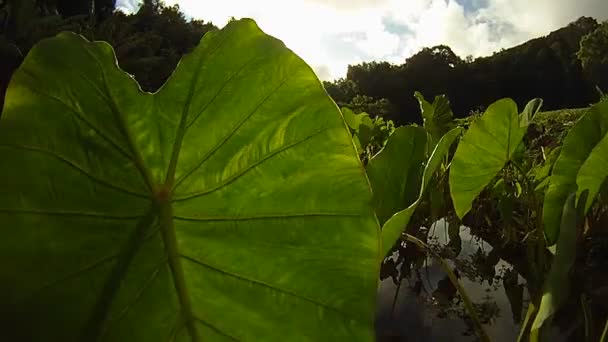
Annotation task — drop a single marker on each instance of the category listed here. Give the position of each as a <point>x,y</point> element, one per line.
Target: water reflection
<point>417,302</point>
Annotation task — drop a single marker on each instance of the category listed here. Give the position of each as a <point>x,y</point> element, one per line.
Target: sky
<point>331,34</point>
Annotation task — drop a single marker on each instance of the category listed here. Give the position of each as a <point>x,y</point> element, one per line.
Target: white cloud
<point>330,34</point>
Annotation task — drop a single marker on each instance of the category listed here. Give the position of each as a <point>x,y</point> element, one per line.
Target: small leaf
<point>437,117</point>
<point>352,120</point>
<point>531,109</point>
<point>392,229</point>
<point>518,189</point>
<point>483,151</point>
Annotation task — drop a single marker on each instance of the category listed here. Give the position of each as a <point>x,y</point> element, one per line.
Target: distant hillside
<point>545,67</point>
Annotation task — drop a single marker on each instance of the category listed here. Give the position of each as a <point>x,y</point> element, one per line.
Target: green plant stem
<point>481,333</point>
<point>604,337</point>
<point>530,314</point>
<point>170,242</point>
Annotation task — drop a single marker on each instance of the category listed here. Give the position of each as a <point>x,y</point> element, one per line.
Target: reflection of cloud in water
<point>417,319</point>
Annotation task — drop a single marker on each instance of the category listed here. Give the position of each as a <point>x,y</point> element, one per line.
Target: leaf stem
<point>604,337</point>
<point>170,241</point>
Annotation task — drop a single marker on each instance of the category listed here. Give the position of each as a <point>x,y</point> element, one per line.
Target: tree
<point>593,54</point>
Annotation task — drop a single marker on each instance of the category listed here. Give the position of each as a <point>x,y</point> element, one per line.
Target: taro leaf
<point>530,110</point>
<point>352,120</point>
<point>366,129</point>
<point>557,284</point>
<point>578,146</point>
<point>392,229</point>
<point>437,117</point>
<point>229,205</point>
<point>483,151</point>
<point>594,170</point>
<point>394,173</point>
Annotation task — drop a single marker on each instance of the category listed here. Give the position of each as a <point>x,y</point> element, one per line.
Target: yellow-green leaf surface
<point>483,151</point>
<point>230,205</point>
<point>594,170</point>
<point>557,284</point>
<point>582,146</point>
<point>394,173</point>
<point>392,229</point>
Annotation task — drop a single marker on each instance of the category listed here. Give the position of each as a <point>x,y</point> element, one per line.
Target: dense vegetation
<point>185,214</point>
<point>148,44</point>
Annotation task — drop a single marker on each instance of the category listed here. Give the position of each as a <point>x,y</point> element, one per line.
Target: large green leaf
<point>594,170</point>
<point>578,146</point>
<point>229,205</point>
<point>483,151</point>
<point>394,172</point>
<point>557,284</point>
<point>392,229</point>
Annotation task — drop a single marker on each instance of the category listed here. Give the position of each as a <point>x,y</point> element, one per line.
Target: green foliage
<point>530,111</point>
<point>499,152</point>
<point>593,54</point>
<point>582,140</point>
<point>594,170</point>
<point>557,283</point>
<point>148,44</point>
<point>394,173</point>
<point>369,135</point>
<point>392,229</point>
<point>437,117</point>
<point>377,107</point>
<point>483,151</point>
<point>210,210</point>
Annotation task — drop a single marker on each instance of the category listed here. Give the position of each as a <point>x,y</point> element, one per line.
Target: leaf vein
<point>245,170</point>
<point>81,117</point>
<point>214,328</point>
<point>235,129</point>
<point>268,286</point>
<point>77,167</point>
<point>263,217</point>
<point>35,211</point>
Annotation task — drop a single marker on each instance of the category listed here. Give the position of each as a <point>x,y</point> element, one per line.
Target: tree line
<point>565,68</point>
<point>148,44</point>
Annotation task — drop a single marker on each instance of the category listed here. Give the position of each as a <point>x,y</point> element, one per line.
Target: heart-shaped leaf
<point>229,205</point>
<point>483,151</point>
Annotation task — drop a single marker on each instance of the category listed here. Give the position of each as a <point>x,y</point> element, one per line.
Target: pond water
<point>425,307</point>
